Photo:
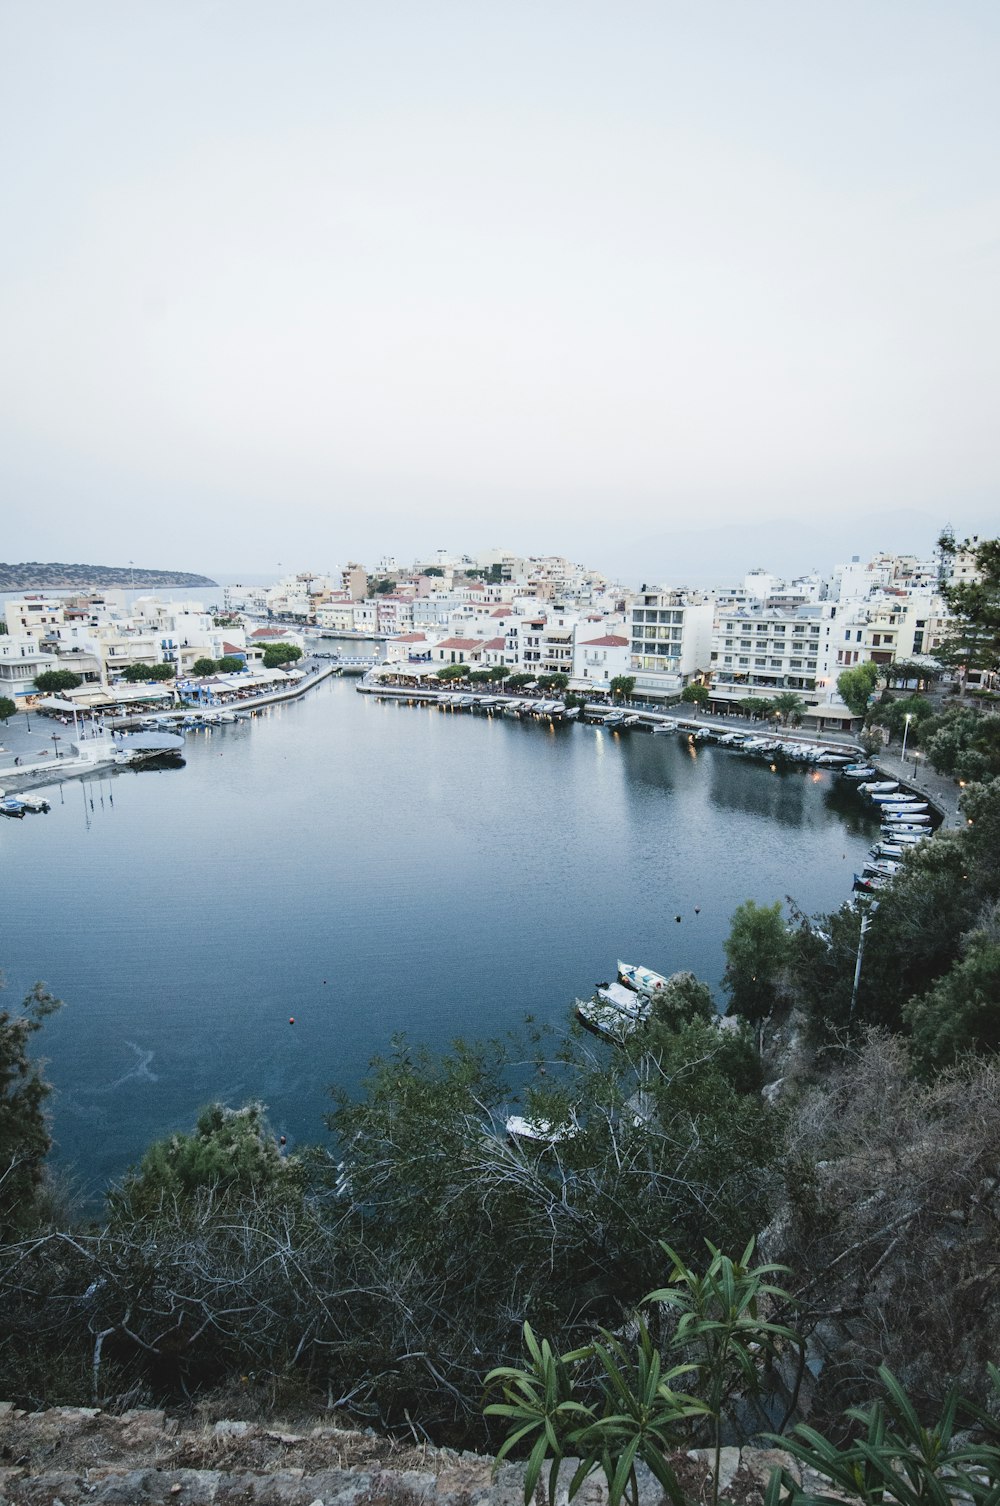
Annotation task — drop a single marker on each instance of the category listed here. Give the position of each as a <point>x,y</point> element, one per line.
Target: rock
<point>761,1462</point>
<point>228,1429</point>
<point>729,1463</point>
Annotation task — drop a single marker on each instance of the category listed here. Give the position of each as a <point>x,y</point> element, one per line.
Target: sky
<point>675,289</point>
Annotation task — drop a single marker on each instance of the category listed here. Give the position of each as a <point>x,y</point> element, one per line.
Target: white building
<point>597,660</point>
<point>764,652</point>
<point>670,641</point>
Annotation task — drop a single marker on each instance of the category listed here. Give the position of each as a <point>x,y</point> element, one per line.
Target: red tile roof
<point>495,643</point>
<point>610,640</point>
<point>461,643</point>
<point>409,638</point>
<point>269,633</point>
<point>503,612</point>
<point>230,648</point>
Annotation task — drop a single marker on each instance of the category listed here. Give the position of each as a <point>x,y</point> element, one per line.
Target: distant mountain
<point>33,576</point>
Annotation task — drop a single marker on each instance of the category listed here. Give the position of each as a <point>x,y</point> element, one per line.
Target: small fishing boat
<point>606,1020</point>
<point>642,979</point>
<point>36,803</point>
<point>11,807</point>
<point>870,883</point>
<point>879,787</point>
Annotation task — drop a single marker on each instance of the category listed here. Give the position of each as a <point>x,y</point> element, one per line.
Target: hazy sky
<point>307,280</point>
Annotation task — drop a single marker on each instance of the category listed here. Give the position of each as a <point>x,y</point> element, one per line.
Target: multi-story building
<point>670,641</point>
<point>250,599</point>
<point>599,659</point>
<point>763,652</point>
<point>33,614</point>
<point>21,660</point>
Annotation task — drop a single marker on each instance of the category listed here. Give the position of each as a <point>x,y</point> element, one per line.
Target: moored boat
<point>642,979</point>
<point>539,1131</point>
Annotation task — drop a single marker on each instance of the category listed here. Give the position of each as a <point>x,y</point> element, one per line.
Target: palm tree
<point>789,706</point>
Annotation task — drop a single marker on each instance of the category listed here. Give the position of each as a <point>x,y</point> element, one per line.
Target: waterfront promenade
<point>27,763</point>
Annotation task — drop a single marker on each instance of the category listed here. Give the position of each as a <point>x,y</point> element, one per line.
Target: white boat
<point>606,1020</point>
<point>642,979</point>
<point>905,808</point>
<point>858,771</point>
<point>884,866</point>
<point>661,727</point>
<point>879,787</point>
<point>539,1131</point>
<point>636,1006</point>
<point>36,803</point>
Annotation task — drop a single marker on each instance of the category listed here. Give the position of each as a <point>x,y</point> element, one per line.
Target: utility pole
<point>866,921</point>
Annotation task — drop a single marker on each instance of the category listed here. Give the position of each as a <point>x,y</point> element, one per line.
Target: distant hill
<point>33,576</point>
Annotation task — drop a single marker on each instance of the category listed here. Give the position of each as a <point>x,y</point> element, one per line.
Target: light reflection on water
<point>368,868</point>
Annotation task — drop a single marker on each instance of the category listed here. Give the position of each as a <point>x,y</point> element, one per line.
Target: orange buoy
<point>291,1019</point>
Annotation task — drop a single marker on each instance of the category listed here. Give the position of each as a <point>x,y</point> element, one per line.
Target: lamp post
<point>906,727</point>
<point>866,921</point>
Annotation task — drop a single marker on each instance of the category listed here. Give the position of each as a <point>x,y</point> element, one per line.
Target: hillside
<point>32,575</point>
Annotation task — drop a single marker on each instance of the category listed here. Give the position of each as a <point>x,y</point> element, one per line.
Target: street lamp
<point>56,740</point>
<point>906,727</point>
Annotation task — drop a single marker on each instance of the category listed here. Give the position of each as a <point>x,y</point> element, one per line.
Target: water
<point>368,868</point>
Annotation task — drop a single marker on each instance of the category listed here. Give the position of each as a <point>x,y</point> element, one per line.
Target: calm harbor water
<point>370,868</point>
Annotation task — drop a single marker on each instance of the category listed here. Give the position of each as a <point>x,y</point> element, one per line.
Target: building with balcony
<point>670,641</point>
<point>760,653</point>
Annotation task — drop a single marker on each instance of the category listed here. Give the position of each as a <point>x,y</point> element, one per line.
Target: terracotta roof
<point>495,643</point>
<point>610,640</point>
<point>409,638</point>
<point>230,648</point>
<point>269,633</point>
<point>461,643</point>
<point>503,612</point>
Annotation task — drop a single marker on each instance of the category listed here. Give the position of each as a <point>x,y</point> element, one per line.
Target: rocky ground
<point>71,1455</point>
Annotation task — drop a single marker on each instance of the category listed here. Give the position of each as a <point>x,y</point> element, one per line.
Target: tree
<point>480,677</point>
<point>499,672</point>
<point>960,1014</point>
<point>684,999</point>
<point>696,695</point>
<point>854,686</point>
<point>974,642</point>
<point>911,710</point>
<point>7,708</point>
<point>789,706</point>
<point>230,664</point>
<point>622,687</point>
<point>432,571</point>
<point>52,680</point>
<point>757,951</point>
<point>383,587</point>
<point>452,672</point>
<point>24,1130</point>
<point>557,682</point>
<point>518,681</point>
<point>276,654</point>
<point>204,667</point>
<point>135,674</point>
<point>232,1151</point>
